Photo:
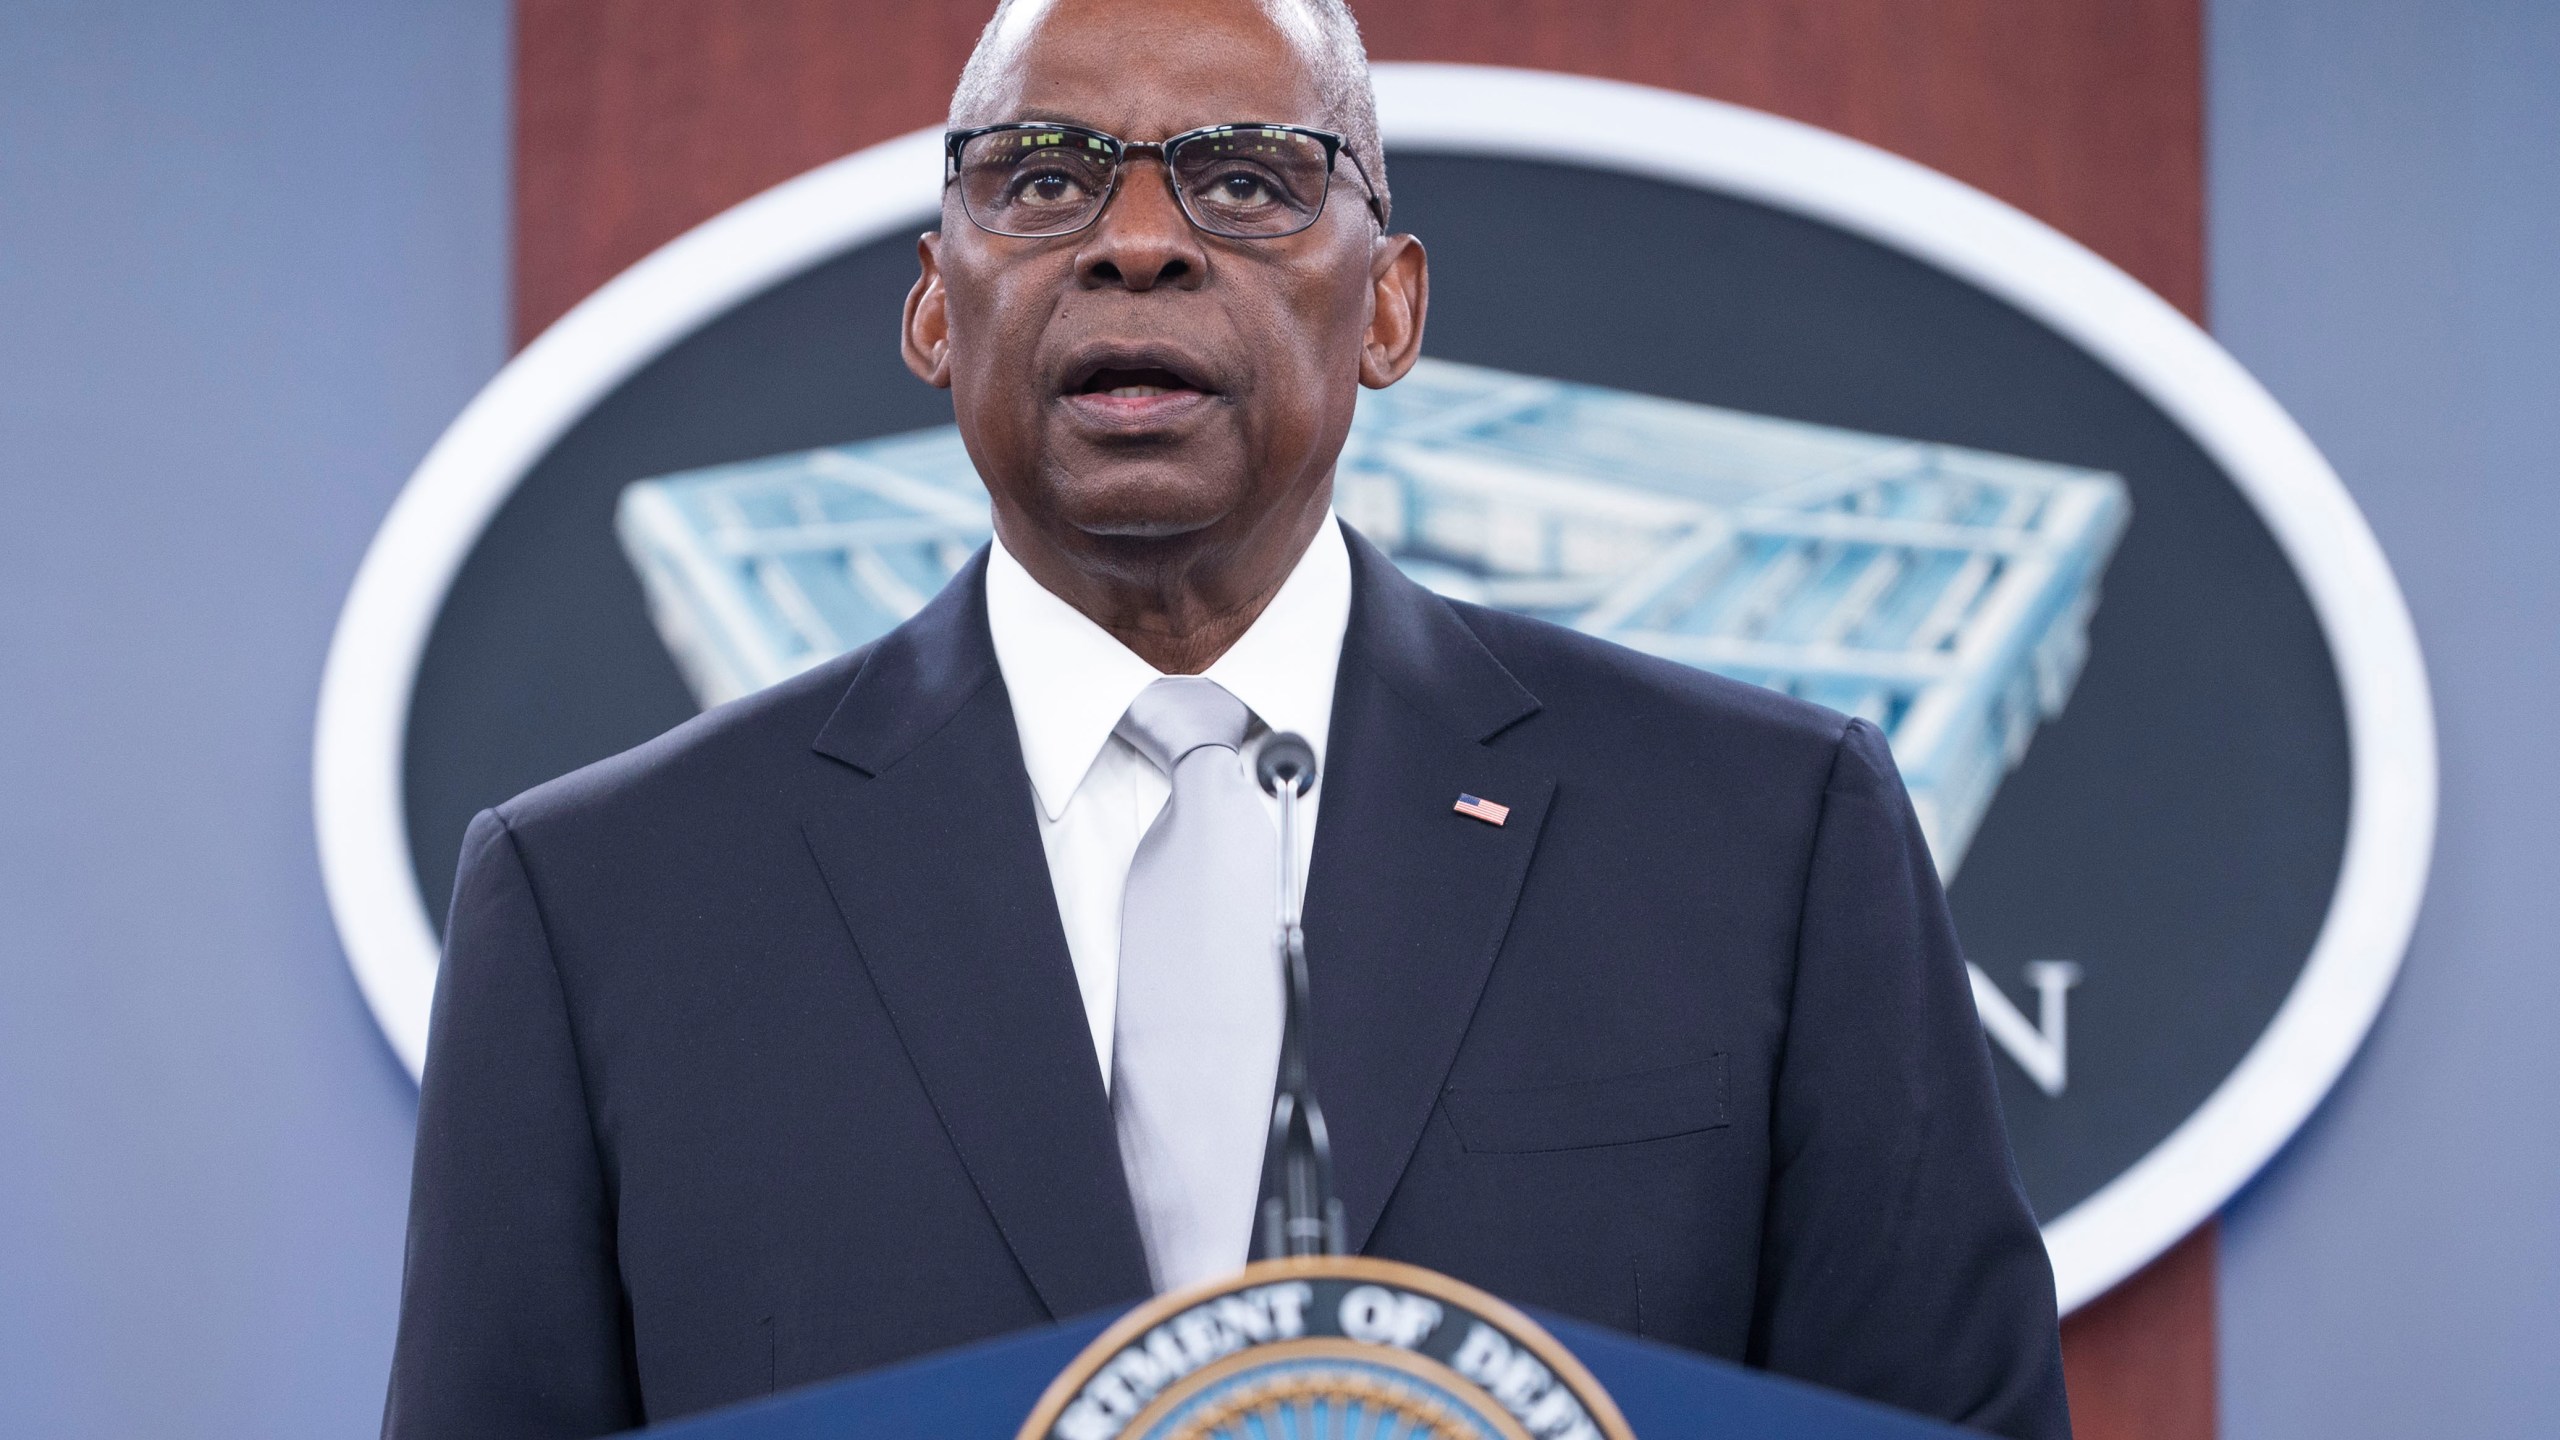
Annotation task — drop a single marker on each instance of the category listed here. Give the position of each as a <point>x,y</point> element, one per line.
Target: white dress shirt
<point>1071,681</point>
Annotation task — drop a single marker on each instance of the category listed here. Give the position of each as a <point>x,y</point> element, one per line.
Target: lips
<point>1135,388</point>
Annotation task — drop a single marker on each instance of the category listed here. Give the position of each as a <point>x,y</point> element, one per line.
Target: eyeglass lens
<point>1249,182</point>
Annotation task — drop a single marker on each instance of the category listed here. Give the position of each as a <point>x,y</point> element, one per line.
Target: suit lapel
<point>927,839</point>
<point>1407,900</point>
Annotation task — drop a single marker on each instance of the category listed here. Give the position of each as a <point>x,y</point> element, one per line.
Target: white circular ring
<point>373,658</point>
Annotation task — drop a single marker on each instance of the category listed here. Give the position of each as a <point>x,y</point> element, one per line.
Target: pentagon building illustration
<point>1940,592</point>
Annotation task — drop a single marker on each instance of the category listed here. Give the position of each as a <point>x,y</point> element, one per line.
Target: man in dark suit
<point>898,1006</point>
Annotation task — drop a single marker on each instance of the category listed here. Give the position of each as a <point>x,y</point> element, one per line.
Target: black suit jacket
<point>758,1057</point>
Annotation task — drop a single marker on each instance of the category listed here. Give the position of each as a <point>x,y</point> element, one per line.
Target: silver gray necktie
<point>1196,1036</point>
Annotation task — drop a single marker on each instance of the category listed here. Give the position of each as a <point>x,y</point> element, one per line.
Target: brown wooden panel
<point>2088,114</point>
<point>637,119</point>
<point>2140,1358</point>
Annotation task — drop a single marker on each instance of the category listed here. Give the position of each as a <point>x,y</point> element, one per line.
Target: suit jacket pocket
<point>1581,1114</point>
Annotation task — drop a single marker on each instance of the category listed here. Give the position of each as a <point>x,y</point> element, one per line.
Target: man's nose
<point>1142,239</point>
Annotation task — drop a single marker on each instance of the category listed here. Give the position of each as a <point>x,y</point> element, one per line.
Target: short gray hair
<point>1324,29</point>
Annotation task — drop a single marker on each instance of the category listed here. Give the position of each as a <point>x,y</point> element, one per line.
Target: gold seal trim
<point>1514,1326</point>
<point>1420,1416</point>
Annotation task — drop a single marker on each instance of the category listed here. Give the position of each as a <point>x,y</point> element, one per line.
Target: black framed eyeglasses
<point>1246,182</point>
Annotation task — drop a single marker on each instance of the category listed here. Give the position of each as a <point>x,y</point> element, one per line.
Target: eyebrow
<point>1037,116</point>
<point>1047,117</point>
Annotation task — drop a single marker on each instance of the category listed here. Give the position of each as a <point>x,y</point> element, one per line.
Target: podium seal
<point>1325,1346</point>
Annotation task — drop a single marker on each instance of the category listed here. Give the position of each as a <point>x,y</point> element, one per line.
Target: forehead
<point>1143,72</point>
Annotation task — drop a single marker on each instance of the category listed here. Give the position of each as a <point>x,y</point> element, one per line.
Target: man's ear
<point>924,335</point>
<point>1399,293</point>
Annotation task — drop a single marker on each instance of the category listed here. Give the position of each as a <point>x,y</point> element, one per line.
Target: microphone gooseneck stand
<point>1299,1214</point>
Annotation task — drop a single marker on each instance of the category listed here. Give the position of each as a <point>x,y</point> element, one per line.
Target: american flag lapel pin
<point>1484,810</point>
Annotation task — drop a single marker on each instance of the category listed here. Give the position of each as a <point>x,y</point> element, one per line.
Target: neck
<point>1178,602</point>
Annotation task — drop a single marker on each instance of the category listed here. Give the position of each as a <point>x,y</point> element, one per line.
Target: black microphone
<point>1283,757</point>
<point>1299,1214</point>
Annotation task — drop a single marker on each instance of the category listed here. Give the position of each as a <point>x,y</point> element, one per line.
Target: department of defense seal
<point>1337,1345</point>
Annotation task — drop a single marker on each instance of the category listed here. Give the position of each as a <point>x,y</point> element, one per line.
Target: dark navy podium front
<point>986,1391</point>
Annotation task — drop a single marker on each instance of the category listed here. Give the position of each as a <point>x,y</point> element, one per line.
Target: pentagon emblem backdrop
<point>1868,435</point>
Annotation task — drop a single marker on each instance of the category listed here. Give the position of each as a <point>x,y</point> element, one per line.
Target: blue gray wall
<point>2385,204</point>
<point>252,258</point>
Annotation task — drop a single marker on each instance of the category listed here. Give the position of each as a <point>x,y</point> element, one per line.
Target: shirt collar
<point>1070,680</point>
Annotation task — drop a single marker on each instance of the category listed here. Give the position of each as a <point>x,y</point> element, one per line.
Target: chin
<point>1153,499</point>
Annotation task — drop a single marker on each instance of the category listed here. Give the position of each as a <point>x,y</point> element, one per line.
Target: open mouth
<point>1135,384</point>
<point>1134,393</point>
